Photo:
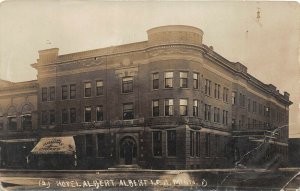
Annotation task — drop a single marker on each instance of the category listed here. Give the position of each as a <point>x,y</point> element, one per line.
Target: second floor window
<point>99,113</point>
<point>216,114</point>
<point>242,100</point>
<point>249,105</point>
<point>254,107</point>
<point>87,114</point>
<point>44,94</point>
<point>72,91</point>
<point>64,92</point>
<point>64,116</point>
<point>127,84</point>
<point>155,81</point>
<point>52,93</point>
<point>128,111</point>
<point>183,107</point>
<point>196,80</point>
<point>87,89</point>
<point>155,108</point>
<point>99,88</point>
<point>12,123</point>
<point>169,107</point>
<point>73,115</point>
<point>168,79</point>
<point>196,108</point>
<point>207,112</point>
<point>233,98</point>
<point>225,117</point>
<point>207,87</point>
<point>217,91</point>
<point>225,94</point>
<point>26,121</point>
<point>183,79</point>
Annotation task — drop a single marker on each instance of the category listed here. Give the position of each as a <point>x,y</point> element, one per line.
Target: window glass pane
<point>64,92</point>
<point>26,122</point>
<point>128,111</point>
<point>87,89</point>
<point>72,91</point>
<point>155,108</point>
<point>88,85</point>
<point>169,74</point>
<point>183,101</point>
<point>99,83</point>
<point>52,93</point>
<point>44,94</point>
<point>73,115</point>
<point>87,114</point>
<point>155,76</point>
<point>183,74</point>
<point>99,113</point>
<point>127,84</point>
<point>195,76</point>
<point>12,123</point>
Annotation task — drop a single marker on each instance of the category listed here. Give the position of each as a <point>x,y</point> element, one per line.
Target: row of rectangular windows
<point>251,123</point>
<point>217,90</point>
<point>216,114</point>
<point>169,107</point>
<point>256,107</point>
<point>169,78</point>
<point>69,91</point>
<point>69,115</point>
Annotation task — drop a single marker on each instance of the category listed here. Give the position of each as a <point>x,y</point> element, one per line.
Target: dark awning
<point>55,145</point>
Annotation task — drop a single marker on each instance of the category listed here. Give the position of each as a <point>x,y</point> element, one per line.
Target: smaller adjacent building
<point>18,122</point>
<point>294,152</point>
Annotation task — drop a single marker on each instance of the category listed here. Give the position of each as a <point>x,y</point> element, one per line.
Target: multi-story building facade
<point>169,102</point>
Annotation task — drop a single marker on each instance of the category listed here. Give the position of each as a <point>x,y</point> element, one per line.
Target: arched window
<point>26,117</point>
<point>12,118</point>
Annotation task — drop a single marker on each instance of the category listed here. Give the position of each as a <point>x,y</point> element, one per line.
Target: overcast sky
<point>268,45</point>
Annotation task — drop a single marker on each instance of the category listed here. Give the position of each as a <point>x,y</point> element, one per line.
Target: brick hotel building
<point>170,102</point>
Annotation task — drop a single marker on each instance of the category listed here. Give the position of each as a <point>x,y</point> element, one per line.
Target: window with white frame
<point>87,89</point>
<point>183,79</point>
<point>99,87</point>
<point>169,107</point>
<point>155,81</point>
<point>183,107</point>
<point>196,80</point>
<point>155,108</point>
<point>127,84</point>
<point>168,79</point>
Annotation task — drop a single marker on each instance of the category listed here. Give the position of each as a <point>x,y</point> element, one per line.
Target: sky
<point>268,44</point>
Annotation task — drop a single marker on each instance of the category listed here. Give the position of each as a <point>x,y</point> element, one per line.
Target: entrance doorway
<point>128,151</point>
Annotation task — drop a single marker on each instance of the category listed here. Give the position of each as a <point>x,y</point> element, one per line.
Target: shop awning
<point>55,145</point>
